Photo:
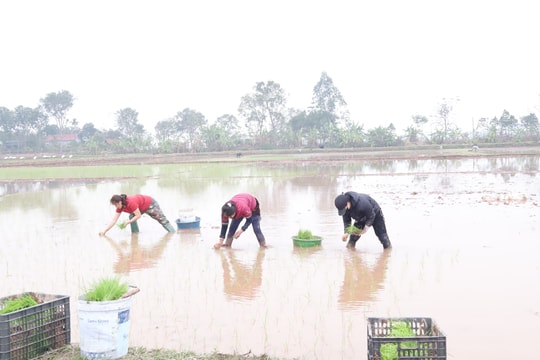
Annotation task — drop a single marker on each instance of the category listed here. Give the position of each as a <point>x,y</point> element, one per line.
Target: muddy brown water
<point>466,254</point>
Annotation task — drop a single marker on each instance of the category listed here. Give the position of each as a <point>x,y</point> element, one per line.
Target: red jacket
<point>134,202</point>
<point>244,204</point>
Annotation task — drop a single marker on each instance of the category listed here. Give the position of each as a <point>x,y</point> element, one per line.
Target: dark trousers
<point>255,223</point>
<point>379,226</point>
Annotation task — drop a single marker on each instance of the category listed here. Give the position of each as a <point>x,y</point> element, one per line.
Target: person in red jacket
<point>136,206</point>
<point>241,206</point>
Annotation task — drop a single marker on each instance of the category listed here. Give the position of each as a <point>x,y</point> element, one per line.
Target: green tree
<point>419,122</point>
<point>530,126</point>
<point>51,129</point>
<point>23,125</point>
<point>189,123</point>
<point>167,131</point>
<point>443,111</point>
<point>229,123</point>
<point>328,99</point>
<point>352,135</point>
<point>411,134</point>
<point>87,132</point>
<point>127,120</point>
<point>265,111</point>
<point>58,105</point>
<point>223,135</point>
<point>381,136</point>
<point>507,125</point>
<point>313,128</point>
<point>29,121</point>
<point>7,121</point>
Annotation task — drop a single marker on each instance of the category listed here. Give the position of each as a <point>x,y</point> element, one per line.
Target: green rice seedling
<point>122,225</point>
<point>389,351</point>
<point>304,234</point>
<point>18,303</point>
<point>353,230</point>
<point>106,289</point>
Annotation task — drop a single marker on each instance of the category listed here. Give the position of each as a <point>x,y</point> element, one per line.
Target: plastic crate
<point>30,332</point>
<point>428,342</point>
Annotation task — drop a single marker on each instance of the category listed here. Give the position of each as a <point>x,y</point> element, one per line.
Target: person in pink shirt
<point>136,206</point>
<point>240,207</point>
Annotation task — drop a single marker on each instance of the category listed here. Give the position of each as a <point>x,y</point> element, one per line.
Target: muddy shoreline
<point>294,155</point>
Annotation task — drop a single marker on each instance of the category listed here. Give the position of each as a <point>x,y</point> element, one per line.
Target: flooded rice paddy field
<point>465,253</point>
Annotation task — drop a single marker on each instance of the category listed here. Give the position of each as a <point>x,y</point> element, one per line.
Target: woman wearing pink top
<point>239,207</point>
<point>136,206</point>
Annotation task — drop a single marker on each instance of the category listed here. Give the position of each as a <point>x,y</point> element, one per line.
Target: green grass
<point>106,289</point>
<point>18,303</point>
<point>72,352</point>
<point>75,172</point>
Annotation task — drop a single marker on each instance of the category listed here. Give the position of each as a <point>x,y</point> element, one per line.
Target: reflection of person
<point>362,281</point>
<point>239,279</point>
<point>239,207</point>
<point>366,213</point>
<point>136,258</point>
<point>136,206</point>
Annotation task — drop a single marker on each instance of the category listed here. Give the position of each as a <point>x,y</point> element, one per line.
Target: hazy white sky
<point>390,59</point>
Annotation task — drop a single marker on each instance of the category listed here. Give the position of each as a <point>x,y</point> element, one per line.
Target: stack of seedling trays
<point>34,330</point>
<point>416,338</point>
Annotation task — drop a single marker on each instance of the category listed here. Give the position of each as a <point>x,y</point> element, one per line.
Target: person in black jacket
<point>366,213</point>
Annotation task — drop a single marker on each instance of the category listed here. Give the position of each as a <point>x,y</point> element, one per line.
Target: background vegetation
<point>264,121</point>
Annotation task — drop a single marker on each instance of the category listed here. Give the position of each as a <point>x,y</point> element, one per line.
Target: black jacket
<point>363,210</point>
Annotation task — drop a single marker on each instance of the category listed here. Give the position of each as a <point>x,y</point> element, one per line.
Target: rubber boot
<point>134,226</point>
<point>352,241</point>
<point>385,241</point>
<point>169,227</point>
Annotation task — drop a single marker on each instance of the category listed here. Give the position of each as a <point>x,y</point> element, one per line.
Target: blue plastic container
<point>189,225</point>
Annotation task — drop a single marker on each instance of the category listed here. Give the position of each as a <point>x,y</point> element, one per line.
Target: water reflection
<point>241,279</point>
<point>304,252</point>
<point>362,279</point>
<point>197,179</point>
<point>312,302</point>
<point>14,187</point>
<point>133,256</point>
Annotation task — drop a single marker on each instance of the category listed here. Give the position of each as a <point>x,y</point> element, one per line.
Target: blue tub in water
<point>188,225</point>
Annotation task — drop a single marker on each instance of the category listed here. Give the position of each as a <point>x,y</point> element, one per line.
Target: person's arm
<point>347,220</point>
<point>114,220</point>
<point>243,228</point>
<point>137,216</point>
<point>223,232</point>
<point>346,223</point>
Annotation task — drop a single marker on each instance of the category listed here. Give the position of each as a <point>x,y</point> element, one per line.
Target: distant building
<point>61,139</point>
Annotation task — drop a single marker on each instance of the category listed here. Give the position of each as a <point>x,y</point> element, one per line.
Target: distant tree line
<point>264,121</point>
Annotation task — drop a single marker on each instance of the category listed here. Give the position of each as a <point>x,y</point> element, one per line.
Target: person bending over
<point>365,211</point>
<point>136,206</point>
<point>241,206</point>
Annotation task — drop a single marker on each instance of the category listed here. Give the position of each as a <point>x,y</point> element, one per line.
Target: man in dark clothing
<point>239,207</point>
<point>366,213</point>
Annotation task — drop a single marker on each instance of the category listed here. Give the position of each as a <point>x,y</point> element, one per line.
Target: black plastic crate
<point>30,332</point>
<point>428,343</point>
